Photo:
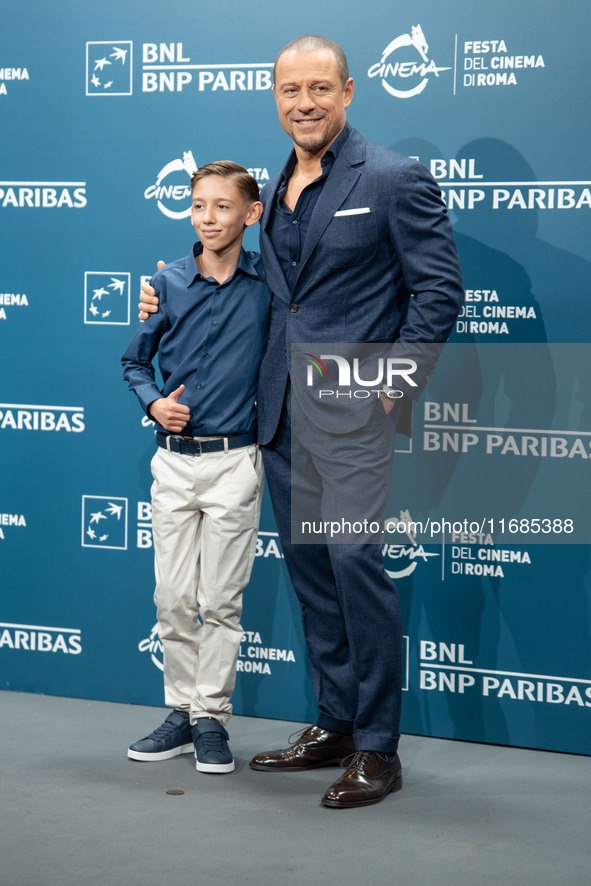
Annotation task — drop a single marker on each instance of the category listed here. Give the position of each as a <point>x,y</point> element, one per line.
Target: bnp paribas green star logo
<point>109,67</point>
<point>104,522</point>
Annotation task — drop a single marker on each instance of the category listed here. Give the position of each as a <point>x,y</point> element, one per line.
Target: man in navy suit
<point>350,232</point>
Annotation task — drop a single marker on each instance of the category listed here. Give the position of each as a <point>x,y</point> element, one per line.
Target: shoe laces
<point>163,730</point>
<point>293,739</point>
<point>358,760</point>
<point>212,741</point>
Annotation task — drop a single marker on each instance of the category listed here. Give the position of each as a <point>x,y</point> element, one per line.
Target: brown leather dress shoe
<point>369,778</point>
<point>314,748</point>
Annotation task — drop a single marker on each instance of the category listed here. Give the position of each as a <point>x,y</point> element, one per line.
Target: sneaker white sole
<point>214,767</point>
<point>157,757</point>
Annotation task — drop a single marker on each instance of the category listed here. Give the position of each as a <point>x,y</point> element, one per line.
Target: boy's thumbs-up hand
<point>168,412</point>
<point>174,395</point>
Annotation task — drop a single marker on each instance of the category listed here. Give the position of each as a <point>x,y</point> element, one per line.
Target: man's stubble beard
<point>314,143</point>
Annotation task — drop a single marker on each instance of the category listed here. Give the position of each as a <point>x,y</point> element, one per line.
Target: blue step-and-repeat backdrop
<point>106,109</point>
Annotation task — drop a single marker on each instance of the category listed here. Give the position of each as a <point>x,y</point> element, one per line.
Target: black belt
<point>200,445</point>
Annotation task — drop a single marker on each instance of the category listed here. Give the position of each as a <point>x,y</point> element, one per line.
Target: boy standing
<point>210,334</point>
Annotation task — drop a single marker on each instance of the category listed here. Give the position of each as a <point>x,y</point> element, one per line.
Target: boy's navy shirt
<point>209,336</point>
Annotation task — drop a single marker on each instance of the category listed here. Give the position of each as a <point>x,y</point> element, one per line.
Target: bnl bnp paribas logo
<point>166,68</point>
<point>109,67</point>
<point>104,522</point>
<point>106,298</point>
<point>406,66</point>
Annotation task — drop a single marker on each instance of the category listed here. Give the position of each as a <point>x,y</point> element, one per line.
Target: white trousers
<point>205,515</point>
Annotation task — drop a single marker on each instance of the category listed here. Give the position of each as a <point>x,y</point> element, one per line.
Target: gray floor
<point>75,810</point>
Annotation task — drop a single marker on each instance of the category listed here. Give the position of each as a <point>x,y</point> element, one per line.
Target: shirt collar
<point>245,265</point>
<point>328,157</point>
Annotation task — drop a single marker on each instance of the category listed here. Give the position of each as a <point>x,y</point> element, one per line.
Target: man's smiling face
<point>311,99</point>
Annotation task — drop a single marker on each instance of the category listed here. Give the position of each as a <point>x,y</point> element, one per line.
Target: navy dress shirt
<point>210,337</point>
<point>288,229</point>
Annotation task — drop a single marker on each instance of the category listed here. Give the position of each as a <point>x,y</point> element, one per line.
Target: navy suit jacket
<point>357,275</point>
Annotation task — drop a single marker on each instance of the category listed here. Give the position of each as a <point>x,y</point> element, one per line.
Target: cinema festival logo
<point>172,191</point>
<point>405,66</point>
<point>401,560</point>
<point>153,645</point>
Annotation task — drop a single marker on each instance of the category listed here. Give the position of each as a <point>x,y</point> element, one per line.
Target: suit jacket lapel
<point>273,271</point>
<point>340,182</point>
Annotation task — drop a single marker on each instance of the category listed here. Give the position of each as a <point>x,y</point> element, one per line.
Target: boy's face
<point>219,213</point>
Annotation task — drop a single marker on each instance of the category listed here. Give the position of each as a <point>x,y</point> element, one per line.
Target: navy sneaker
<point>211,746</point>
<point>168,740</point>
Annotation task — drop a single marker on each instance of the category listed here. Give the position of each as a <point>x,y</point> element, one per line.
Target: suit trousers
<point>349,605</point>
<point>205,515</point>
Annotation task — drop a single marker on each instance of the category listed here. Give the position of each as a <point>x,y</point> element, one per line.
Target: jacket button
<point>294,309</point>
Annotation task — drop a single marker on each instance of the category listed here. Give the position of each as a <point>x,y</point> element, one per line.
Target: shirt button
<point>294,222</point>
<point>293,264</point>
<point>214,322</point>
<point>294,309</point>
<point>206,355</point>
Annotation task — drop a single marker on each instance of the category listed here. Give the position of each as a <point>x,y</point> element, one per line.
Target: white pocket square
<point>361,211</point>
